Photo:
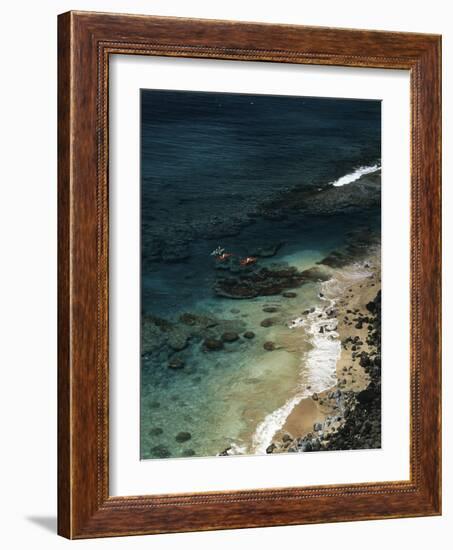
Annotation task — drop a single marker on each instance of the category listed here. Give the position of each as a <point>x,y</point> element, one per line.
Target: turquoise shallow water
<point>221,398</point>
<point>211,165</point>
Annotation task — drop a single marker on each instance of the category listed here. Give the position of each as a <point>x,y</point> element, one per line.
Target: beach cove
<point>318,422</point>
<point>260,215</point>
<point>258,374</point>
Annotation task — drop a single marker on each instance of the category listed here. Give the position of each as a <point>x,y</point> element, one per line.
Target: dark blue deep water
<point>197,143</point>
<point>220,170</point>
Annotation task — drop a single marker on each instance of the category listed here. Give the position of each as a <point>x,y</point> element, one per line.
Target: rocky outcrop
<point>364,193</point>
<point>182,437</point>
<point>357,424</point>
<point>362,426</point>
<point>269,346</point>
<point>262,281</point>
<point>357,247</point>
<point>162,338</point>
<point>168,240</point>
<point>212,344</point>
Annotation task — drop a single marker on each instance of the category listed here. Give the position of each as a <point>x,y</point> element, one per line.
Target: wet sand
<point>324,408</point>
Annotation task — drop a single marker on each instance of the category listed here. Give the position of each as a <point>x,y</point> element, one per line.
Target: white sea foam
<point>273,423</point>
<point>318,366</point>
<point>319,372</point>
<point>236,449</point>
<point>353,176</point>
<point>297,322</point>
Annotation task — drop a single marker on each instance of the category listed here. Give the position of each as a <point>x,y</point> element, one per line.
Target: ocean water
<point>213,168</point>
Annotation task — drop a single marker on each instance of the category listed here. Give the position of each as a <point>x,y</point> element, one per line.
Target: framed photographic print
<point>249,275</point>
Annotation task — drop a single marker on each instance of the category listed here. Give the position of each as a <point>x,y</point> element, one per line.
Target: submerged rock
<point>270,309</point>
<point>230,336</point>
<point>161,337</point>
<point>327,199</point>
<point>211,344</point>
<point>259,282</point>
<point>198,321</point>
<point>156,431</point>
<point>181,437</point>
<point>160,451</point>
<point>249,334</point>
<point>269,321</point>
<point>269,346</point>
<point>176,363</point>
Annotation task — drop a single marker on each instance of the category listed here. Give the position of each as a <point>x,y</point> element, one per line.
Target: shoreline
<point>199,350</point>
<point>326,344</point>
<point>321,416</point>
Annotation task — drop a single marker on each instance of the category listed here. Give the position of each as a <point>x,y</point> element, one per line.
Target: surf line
<point>319,369</point>
<point>353,176</point>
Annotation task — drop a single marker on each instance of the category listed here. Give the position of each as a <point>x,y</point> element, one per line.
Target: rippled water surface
<point>209,162</point>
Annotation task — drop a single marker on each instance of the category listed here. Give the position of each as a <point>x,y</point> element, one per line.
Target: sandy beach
<point>324,412</point>
<point>253,252</point>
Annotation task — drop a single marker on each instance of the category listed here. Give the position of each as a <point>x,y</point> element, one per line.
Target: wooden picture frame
<point>85,42</point>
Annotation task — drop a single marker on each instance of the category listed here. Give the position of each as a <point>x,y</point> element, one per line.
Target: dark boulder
<point>367,396</point>
<point>160,451</point>
<point>259,282</point>
<point>212,344</point>
<point>269,346</point>
<point>230,336</point>
<point>268,322</point>
<point>364,359</point>
<point>270,309</point>
<point>271,448</point>
<point>181,437</point>
<point>176,363</point>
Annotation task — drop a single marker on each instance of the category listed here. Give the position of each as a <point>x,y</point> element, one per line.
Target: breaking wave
<point>318,365</point>
<point>318,372</point>
<point>353,176</point>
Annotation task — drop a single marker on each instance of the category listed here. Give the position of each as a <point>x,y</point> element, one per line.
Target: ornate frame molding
<point>86,40</point>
